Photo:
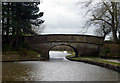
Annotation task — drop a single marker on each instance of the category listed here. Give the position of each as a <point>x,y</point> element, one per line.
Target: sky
<point>63,17</point>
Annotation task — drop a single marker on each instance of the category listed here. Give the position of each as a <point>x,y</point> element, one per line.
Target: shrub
<point>27,53</point>
<point>6,47</point>
<point>105,50</point>
<point>111,50</point>
<point>23,52</point>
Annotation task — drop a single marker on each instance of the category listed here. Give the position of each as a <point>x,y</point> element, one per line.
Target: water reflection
<point>57,69</point>
<point>58,55</point>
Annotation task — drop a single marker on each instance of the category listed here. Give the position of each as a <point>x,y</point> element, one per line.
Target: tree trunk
<point>119,35</point>
<point>8,23</point>
<point>11,41</point>
<point>17,37</point>
<point>16,43</point>
<point>114,30</point>
<point>115,35</point>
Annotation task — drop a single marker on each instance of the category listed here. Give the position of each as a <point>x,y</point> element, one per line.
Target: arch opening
<point>61,51</point>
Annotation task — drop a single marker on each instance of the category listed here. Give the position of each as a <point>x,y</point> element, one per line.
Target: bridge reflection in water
<point>55,70</point>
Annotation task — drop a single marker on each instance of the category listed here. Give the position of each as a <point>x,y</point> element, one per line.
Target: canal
<point>57,69</point>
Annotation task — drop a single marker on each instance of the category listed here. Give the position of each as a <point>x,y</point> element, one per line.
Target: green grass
<point>57,50</point>
<point>112,63</point>
<point>10,52</point>
<point>23,54</point>
<point>72,52</point>
<point>79,58</point>
<point>32,52</point>
<point>69,55</point>
<point>93,59</point>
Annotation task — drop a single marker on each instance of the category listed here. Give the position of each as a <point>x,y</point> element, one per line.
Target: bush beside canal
<point>110,50</point>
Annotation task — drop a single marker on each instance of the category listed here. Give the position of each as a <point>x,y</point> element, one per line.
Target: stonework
<point>83,45</point>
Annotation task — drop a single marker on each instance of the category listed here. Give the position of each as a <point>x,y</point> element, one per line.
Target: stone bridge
<point>83,45</point>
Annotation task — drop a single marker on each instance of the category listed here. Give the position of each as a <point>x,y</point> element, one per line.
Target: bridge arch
<point>83,45</point>
<point>72,47</point>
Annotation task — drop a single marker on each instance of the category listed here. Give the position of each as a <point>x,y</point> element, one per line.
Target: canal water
<point>57,69</point>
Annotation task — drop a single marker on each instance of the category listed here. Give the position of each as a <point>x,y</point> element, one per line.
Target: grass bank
<point>21,55</point>
<point>96,61</point>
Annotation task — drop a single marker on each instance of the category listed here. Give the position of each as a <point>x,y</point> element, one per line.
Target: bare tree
<point>103,29</point>
<point>106,15</point>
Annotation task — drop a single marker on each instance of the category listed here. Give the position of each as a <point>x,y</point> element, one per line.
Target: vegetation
<point>96,59</point>
<point>17,21</point>
<point>22,54</point>
<point>105,16</point>
<point>72,54</point>
<point>110,51</point>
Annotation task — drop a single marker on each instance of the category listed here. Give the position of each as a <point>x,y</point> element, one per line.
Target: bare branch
<point>95,18</point>
<point>108,8</point>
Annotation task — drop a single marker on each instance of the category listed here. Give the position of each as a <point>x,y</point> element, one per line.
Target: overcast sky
<point>63,17</point>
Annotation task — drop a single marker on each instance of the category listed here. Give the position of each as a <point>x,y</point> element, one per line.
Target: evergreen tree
<point>18,18</point>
